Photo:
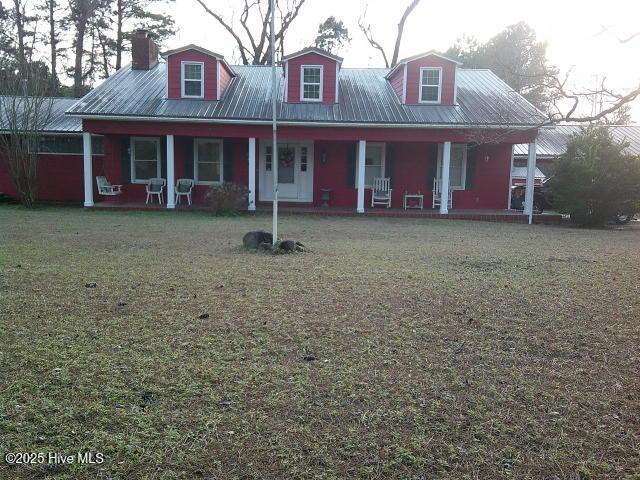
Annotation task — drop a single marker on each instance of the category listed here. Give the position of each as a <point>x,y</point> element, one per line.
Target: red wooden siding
<point>330,68</point>
<point>174,72</point>
<point>225,78</point>
<point>397,82</point>
<point>60,177</point>
<point>448,78</point>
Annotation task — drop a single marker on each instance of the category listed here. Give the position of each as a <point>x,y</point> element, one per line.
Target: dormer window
<point>193,79</point>
<point>311,83</point>
<point>430,84</point>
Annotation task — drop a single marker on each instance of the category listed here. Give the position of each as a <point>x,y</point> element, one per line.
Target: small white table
<point>413,196</point>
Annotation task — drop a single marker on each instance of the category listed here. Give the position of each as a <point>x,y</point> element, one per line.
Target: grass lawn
<point>397,348</point>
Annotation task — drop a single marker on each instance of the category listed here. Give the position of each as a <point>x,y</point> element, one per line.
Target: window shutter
<point>389,163</point>
<point>125,160</point>
<point>163,157</point>
<point>351,166</point>
<point>227,154</point>
<point>189,158</point>
<point>432,168</point>
<point>471,170</point>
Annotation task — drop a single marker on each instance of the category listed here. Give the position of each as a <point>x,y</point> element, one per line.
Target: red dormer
<point>311,76</point>
<point>196,73</point>
<point>425,79</point>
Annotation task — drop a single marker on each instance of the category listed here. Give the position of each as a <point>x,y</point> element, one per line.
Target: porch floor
<point>509,216</point>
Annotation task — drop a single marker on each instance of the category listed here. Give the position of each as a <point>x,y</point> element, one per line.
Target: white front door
<point>295,171</point>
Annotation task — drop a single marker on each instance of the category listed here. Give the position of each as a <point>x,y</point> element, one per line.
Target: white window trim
<point>464,165</point>
<point>404,84</point>
<point>422,69</point>
<point>455,86</point>
<point>156,140</point>
<point>196,141</point>
<point>182,79</point>
<point>217,78</point>
<point>286,82</point>
<point>302,98</point>
<point>384,161</point>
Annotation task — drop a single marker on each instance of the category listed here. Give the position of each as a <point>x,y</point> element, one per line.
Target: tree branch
<point>366,30</point>
<point>227,27</point>
<point>403,19</point>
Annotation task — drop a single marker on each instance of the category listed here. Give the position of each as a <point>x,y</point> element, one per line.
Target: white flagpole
<point>274,148</point>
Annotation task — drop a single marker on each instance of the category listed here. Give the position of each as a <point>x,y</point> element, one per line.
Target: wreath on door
<point>287,157</point>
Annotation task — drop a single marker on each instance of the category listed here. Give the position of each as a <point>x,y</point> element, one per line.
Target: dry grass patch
<point>397,349</point>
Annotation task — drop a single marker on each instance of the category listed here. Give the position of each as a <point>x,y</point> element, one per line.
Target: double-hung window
<point>193,79</point>
<point>145,159</point>
<point>374,164</point>
<point>208,161</point>
<point>457,166</point>
<point>311,83</point>
<point>430,85</point>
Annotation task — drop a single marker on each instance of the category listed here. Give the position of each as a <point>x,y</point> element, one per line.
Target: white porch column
<point>171,173</point>
<point>531,175</point>
<point>88,169</point>
<point>510,179</point>
<point>252,175</point>
<point>362,150</point>
<point>446,163</point>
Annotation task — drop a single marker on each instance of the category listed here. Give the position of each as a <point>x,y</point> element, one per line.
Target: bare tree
<point>365,28</point>
<point>567,102</point>
<point>23,117</point>
<point>81,13</point>
<point>251,35</point>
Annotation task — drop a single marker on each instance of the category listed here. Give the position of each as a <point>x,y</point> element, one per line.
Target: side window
<point>303,159</point>
<point>267,158</point>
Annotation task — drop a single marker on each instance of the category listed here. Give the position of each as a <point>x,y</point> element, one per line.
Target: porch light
<point>486,159</point>
<point>323,157</point>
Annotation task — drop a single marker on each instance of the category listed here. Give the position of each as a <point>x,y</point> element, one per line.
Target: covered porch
<point>316,166</point>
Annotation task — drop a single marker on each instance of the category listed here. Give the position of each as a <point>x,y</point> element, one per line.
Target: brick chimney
<point>144,52</point>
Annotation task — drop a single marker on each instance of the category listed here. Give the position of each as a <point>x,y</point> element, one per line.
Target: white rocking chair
<point>437,194</point>
<point>156,187</point>
<point>183,189</point>
<point>105,187</point>
<point>381,192</point>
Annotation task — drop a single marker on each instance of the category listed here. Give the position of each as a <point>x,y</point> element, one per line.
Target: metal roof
<point>319,51</point>
<point>521,172</point>
<point>552,142</point>
<point>191,46</point>
<point>59,122</point>
<point>404,61</point>
<point>365,98</point>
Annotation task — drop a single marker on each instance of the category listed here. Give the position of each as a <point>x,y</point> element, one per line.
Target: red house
<point>426,123</point>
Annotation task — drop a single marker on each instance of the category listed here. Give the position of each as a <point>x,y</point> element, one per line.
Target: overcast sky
<point>582,34</point>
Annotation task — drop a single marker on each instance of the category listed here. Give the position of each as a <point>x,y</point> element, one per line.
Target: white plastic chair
<point>437,194</point>
<point>156,187</point>
<point>381,192</point>
<point>105,187</point>
<point>184,186</point>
